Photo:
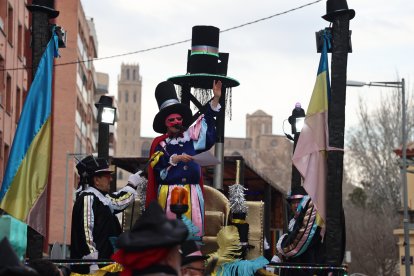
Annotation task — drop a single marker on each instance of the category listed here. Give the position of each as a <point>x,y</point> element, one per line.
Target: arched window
<point>145,149</point>
<point>126,96</point>
<point>135,96</point>
<point>127,73</point>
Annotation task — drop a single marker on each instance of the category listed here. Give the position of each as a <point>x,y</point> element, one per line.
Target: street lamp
<point>296,120</point>
<point>106,117</point>
<point>399,85</point>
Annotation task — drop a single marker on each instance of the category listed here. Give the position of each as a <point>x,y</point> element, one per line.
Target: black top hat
<point>337,7</point>
<point>205,63</point>
<point>153,230</point>
<point>168,104</point>
<point>190,252</point>
<point>297,193</point>
<point>90,166</point>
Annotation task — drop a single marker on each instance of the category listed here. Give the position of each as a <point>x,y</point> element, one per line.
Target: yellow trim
<point>102,271</point>
<point>155,158</point>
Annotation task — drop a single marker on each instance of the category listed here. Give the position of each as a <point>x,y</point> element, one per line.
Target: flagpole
<point>339,16</point>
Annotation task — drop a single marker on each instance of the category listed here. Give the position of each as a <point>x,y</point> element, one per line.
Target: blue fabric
<point>36,110</point>
<point>200,144</point>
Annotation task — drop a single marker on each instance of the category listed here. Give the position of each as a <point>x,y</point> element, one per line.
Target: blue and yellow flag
<point>23,190</point>
<point>310,153</point>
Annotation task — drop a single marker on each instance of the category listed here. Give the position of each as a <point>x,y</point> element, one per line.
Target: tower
<point>129,109</point>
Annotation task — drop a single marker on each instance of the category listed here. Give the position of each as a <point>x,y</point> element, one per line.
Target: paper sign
<point>205,159</point>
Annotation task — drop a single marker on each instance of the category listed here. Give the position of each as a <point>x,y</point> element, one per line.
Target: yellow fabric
<point>228,241</point>
<point>319,99</point>
<point>155,157</point>
<point>31,177</point>
<point>102,271</point>
<point>239,221</point>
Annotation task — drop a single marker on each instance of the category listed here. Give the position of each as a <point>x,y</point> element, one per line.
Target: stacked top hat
<point>205,62</point>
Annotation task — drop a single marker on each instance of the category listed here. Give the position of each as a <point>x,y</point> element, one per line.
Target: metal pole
<point>219,146</point>
<point>65,207</point>
<point>404,182</point>
<point>103,141</point>
<point>68,156</point>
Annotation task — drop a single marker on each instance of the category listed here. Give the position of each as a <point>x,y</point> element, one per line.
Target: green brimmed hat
<point>205,64</point>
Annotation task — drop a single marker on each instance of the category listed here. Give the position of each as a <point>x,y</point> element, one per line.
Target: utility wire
<point>174,43</point>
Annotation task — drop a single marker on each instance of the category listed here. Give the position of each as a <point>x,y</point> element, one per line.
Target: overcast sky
<point>274,60</point>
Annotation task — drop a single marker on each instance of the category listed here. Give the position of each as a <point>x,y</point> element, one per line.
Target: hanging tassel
<point>237,200</point>
<point>228,102</point>
<point>179,90</point>
<point>142,193</point>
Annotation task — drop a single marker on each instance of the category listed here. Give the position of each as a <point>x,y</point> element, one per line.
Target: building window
<point>3,14</point>
<point>20,40</point>
<point>134,73</point>
<point>10,25</point>
<point>1,145</point>
<point>8,94</point>
<point>135,96</point>
<point>6,153</point>
<point>126,114</point>
<point>126,96</point>
<point>1,82</point>
<point>145,149</point>
<point>18,96</point>
<point>127,73</point>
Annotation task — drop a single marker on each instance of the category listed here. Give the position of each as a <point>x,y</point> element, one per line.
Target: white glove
<point>275,259</point>
<point>93,268</point>
<point>136,179</point>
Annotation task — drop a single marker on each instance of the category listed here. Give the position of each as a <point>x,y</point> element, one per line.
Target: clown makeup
<point>173,119</point>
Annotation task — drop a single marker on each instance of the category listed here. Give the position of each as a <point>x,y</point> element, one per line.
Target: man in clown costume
<point>171,154</point>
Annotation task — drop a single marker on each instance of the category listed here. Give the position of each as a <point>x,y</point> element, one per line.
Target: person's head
<point>153,240</point>
<point>171,111</point>
<point>95,172</point>
<point>295,197</point>
<point>193,261</point>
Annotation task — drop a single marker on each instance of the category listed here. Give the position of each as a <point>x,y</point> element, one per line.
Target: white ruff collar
<point>106,201</point>
<point>176,141</point>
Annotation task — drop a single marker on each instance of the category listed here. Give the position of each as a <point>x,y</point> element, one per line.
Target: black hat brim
<point>331,16</point>
<point>179,108</point>
<point>190,259</point>
<point>203,81</point>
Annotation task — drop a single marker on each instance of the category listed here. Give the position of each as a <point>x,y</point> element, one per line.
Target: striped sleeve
<point>296,242</point>
<point>121,199</point>
<point>88,225</point>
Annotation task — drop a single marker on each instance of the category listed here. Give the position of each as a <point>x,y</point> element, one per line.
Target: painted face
<point>173,119</point>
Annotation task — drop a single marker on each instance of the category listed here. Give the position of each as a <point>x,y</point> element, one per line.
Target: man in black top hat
<point>302,243</point>
<point>192,260</point>
<point>94,221</point>
<point>152,246</point>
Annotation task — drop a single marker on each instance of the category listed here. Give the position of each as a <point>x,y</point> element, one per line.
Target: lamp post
<point>296,120</point>
<point>106,117</point>
<point>399,85</point>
